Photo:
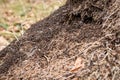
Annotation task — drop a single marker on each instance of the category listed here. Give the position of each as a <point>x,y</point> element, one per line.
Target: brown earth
<point>88,30</point>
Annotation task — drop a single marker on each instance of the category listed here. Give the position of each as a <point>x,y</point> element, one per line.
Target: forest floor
<point>80,41</point>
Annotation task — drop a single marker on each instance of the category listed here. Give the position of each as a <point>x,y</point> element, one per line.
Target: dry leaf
<point>78,64</point>
<point>3,42</point>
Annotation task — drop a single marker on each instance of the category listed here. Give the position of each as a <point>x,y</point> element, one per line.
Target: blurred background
<point>16,16</point>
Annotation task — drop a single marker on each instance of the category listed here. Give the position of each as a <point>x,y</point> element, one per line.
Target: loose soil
<point>85,29</point>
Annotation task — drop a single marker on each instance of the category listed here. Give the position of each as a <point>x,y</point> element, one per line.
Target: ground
<point>79,41</point>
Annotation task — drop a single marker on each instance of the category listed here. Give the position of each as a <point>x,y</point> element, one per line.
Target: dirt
<point>86,29</point>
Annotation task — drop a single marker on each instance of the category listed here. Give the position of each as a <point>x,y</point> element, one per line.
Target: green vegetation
<point>17,15</point>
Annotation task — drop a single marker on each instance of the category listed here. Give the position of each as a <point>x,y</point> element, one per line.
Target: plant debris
<point>81,31</point>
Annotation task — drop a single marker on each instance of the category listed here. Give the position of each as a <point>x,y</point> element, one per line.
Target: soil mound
<point>79,41</point>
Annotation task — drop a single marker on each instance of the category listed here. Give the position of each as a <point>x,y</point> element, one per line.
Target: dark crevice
<point>87,19</point>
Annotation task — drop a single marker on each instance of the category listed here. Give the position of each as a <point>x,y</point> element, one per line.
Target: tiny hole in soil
<point>78,15</point>
<point>87,19</point>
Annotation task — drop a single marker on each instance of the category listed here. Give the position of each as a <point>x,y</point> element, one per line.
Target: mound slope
<point>86,32</point>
